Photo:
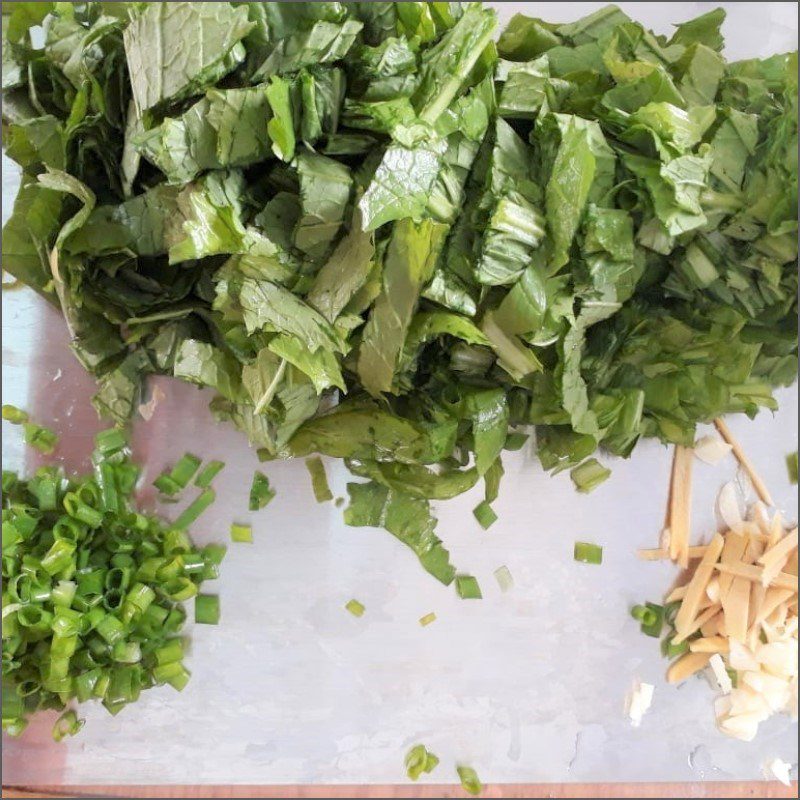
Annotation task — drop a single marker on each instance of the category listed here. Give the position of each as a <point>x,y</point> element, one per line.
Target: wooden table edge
<point>702,789</point>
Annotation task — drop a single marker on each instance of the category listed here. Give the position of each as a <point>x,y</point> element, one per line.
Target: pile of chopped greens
<point>92,590</point>
<point>379,234</point>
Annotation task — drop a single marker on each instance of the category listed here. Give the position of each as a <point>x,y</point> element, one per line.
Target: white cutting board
<point>527,686</point>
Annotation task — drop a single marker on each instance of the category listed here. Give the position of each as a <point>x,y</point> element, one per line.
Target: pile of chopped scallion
<point>93,590</point>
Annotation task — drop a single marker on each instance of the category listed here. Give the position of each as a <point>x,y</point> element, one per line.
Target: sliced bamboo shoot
<point>687,665</point>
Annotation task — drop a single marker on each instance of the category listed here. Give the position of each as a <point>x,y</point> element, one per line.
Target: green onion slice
<point>468,588</point>
<point>319,479</point>
<point>588,553</point>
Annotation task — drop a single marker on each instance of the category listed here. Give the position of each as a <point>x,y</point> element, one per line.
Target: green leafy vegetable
<point>261,493</point>
<point>375,234</point>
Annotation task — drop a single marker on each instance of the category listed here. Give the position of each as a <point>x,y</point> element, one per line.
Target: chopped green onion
<point>355,608</point>
<point>515,441</point>
<point>319,479</point>
<point>241,533</point>
<point>670,650</point>
<point>651,617</point>
<point>469,780</point>
<point>208,473</point>
<point>468,588</point>
<point>195,509</point>
<point>418,760</point>
<point>485,514</point>
<point>170,652</point>
<point>173,673</point>
<point>110,441</point>
<point>67,724</point>
<point>791,466</point>
<point>427,619</point>
<point>504,578</point>
<point>90,596</point>
<point>179,476</point>
<point>589,475</point>
<point>588,553</point>
<point>166,485</point>
<point>260,491</point>
<point>671,611</point>
<point>206,609</point>
<point>14,415</point>
<point>40,438</point>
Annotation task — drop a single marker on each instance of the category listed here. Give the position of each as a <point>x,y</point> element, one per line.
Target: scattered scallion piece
<point>468,588</point>
<point>588,553</point>
<point>651,617</point>
<point>241,533</point>
<point>261,493</point>
<point>40,438</point>
<point>469,780</point>
<point>504,578</point>
<point>319,479</point>
<point>485,515</point>
<point>92,590</point>
<point>208,473</point>
<point>195,509</point>
<point>14,415</point>
<point>427,619</point>
<point>178,477</point>
<point>791,466</point>
<point>670,650</point>
<point>355,608</point>
<point>206,609</point>
<point>67,724</point>
<point>420,760</point>
<point>589,475</point>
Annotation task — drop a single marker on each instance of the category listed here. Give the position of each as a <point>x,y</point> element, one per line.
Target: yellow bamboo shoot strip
<point>758,591</point>
<point>687,665</point>
<point>710,644</point>
<point>783,580</point>
<point>696,590</point>
<point>776,558</point>
<point>705,616</point>
<point>732,553</point>
<point>680,504</point>
<point>747,466</point>
<point>660,553</point>
<point>774,598</point>
<point>736,607</point>
<point>781,550</point>
<point>776,529</point>
<point>714,627</point>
